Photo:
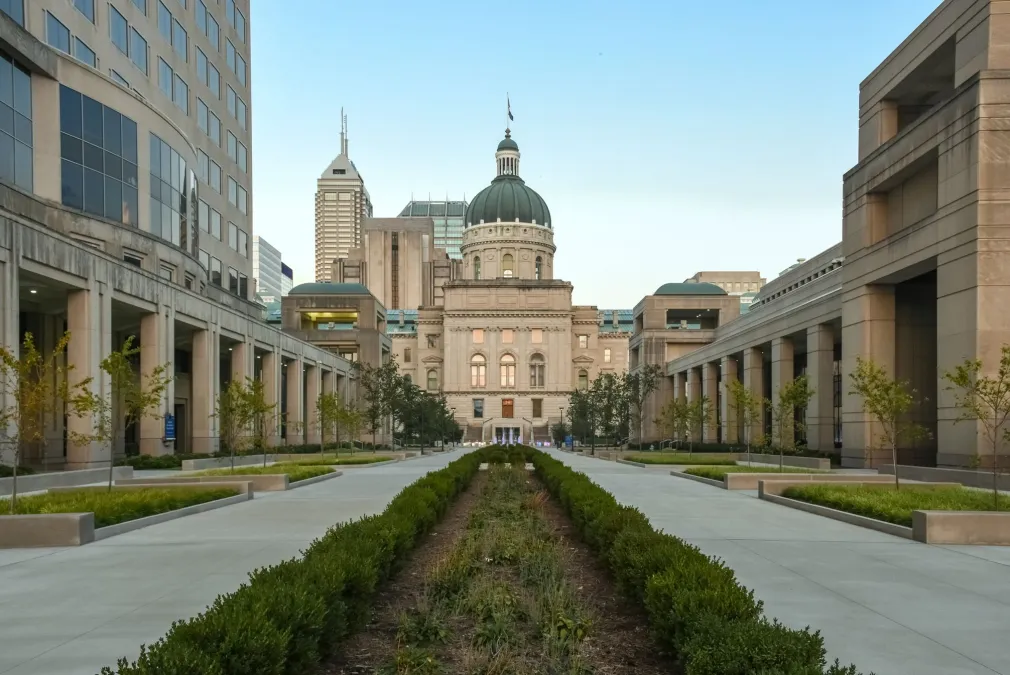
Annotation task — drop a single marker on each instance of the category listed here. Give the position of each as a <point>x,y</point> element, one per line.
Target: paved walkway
<point>887,604</point>
<point>70,611</point>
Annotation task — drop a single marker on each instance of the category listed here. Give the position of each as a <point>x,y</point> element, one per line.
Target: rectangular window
<point>243,158</point>
<point>215,224</point>
<point>181,95</point>
<point>232,191</point>
<point>141,5</point>
<point>240,24</point>
<point>233,280</point>
<point>243,286</point>
<point>16,131</point>
<point>478,336</point>
<point>215,176</point>
<point>180,40</point>
<point>243,200</point>
<point>506,336</point>
<point>166,272</point>
<point>478,408</point>
<point>202,166</point>
<point>205,259</point>
<point>138,49</point>
<point>214,80</point>
<point>201,115</point>
<point>170,191</point>
<point>87,8</point>
<point>165,22</point>
<point>215,128</point>
<point>232,147</point>
<point>204,216</point>
<point>118,30</point>
<point>243,244</point>
<point>57,35</point>
<point>606,355</point>
<point>538,408</point>
<point>235,62</point>
<point>84,54</point>
<point>134,260</point>
<point>232,236</point>
<point>165,76</point>
<point>236,107</point>
<point>406,354</point>
<point>213,33</point>
<point>583,342</point>
<point>537,336</point>
<point>118,79</point>
<point>215,271</point>
<point>15,9</point>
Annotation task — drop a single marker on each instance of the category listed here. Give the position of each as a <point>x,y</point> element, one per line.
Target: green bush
<point>290,616</point>
<point>680,458</point>
<point>340,461</point>
<point>885,503</point>
<point>719,472</point>
<point>295,471</point>
<point>118,506</point>
<point>696,608</point>
<point>8,471</point>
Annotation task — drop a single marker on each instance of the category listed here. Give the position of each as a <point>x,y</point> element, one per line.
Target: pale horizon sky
<point>667,138</point>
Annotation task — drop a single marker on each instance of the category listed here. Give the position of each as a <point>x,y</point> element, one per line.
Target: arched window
<point>539,268</point>
<point>432,380</point>
<point>508,371</point>
<point>476,267</point>
<point>478,371</point>
<point>583,380</point>
<point>537,371</point>
<point>507,265</point>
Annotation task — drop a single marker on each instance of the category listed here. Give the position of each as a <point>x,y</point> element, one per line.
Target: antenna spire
<point>343,133</point>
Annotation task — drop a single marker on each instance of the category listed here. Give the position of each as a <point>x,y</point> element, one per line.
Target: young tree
<point>261,415</point>
<point>748,406</point>
<point>233,417</point>
<point>674,419</point>
<point>132,396</point>
<point>638,387</point>
<point>887,401</point>
<point>328,412</point>
<point>350,419</point>
<point>793,396</point>
<point>985,399</point>
<point>699,414</point>
<point>33,386</point>
<point>379,388</point>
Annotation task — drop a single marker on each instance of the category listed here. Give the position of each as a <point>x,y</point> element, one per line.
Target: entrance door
<point>507,407</point>
<point>181,434</point>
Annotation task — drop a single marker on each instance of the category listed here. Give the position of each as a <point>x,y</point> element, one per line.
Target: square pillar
<point>820,372</point>
<point>242,361</point>
<point>328,381</point>
<point>728,412</point>
<point>693,394</point>
<point>89,320</point>
<point>680,386</point>
<point>295,388</point>
<point>313,383</point>
<point>271,374</point>
<point>204,386</point>
<point>867,332</point>
<point>157,348</point>
<point>710,388</point>
<point>783,371</point>
<point>52,333</point>
<point>753,379</point>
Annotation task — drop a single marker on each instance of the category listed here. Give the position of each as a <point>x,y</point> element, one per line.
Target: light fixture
<point>32,291</point>
<point>229,348</point>
<point>258,356</point>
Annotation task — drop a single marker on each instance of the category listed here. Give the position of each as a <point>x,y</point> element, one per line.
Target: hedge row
<point>291,616</point>
<point>144,462</point>
<point>697,609</point>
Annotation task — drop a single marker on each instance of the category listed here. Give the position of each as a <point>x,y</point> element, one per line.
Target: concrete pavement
<point>889,605</point>
<point>70,611</point>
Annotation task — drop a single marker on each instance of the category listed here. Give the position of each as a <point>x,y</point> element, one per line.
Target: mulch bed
<point>618,644</point>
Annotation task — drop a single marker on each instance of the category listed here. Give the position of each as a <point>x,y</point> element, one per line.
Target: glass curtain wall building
<point>448,218</point>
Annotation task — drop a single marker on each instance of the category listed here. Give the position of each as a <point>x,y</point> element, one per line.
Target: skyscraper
<point>342,203</point>
<point>448,218</point>
<point>267,269</point>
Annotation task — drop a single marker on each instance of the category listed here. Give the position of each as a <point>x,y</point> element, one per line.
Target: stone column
<point>680,386</point>
<point>312,391</point>
<point>157,348</point>
<point>242,361</point>
<point>203,378</point>
<point>867,332</point>
<point>709,388</point>
<point>295,389</point>
<point>783,372</point>
<point>820,373</point>
<point>753,379</point>
<point>271,374</point>
<point>693,394</point>
<point>89,320</point>
<point>728,412</point>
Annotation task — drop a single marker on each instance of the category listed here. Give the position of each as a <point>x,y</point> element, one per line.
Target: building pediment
<point>432,359</point>
<point>583,359</point>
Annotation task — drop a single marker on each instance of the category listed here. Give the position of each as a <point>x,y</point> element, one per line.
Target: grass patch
<point>340,461</point>
<point>295,471</point>
<point>680,458</point>
<point>719,472</point>
<point>118,506</point>
<point>883,502</point>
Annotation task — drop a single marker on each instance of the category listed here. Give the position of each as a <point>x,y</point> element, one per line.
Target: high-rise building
<point>267,269</point>
<point>287,279</point>
<point>191,61</point>
<point>448,219</point>
<point>342,204</point>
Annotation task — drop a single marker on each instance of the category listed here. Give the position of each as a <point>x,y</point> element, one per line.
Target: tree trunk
<point>995,470</point>
<point>894,460</point>
<point>14,480</point>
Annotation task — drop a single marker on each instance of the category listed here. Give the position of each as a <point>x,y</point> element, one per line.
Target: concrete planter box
<point>630,463</point>
<point>44,481</point>
<point>980,528</point>
<point>260,483</point>
<point>242,488</point>
<point>799,462</point>
<point>77,529</point>
<point>750,481</point>
<point>776,486</point>
<point>224,462</point>
<point>699,479</point>
<point>967,477</point>
<point>844,516</point>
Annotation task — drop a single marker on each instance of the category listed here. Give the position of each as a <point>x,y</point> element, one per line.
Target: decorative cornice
<point>583,358</point>
<point>432,359</point>
<point>506,393</point>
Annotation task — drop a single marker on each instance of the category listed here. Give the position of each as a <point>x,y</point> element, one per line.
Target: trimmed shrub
<point>8,471</point>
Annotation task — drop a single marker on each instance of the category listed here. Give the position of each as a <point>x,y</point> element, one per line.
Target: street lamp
<point>452,411</point>
<point>563,434</point>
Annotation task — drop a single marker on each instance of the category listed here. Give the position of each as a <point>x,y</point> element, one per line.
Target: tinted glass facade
<point>15,9</point>
<point>98,150</point>
<point>448,219</point>
<point>16,163</point>
<point>171,185</point>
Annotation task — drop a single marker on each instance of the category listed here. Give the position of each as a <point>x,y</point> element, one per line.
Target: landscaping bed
<point>719,472</point>
<point>883,502</point>
<point>294,471</point>
<point>332,460</point>
<point>8,471</point>
<point>680,458</point>
<point>112,508</point>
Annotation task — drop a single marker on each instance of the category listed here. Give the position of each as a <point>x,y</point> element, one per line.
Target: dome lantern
<point>508,199</point>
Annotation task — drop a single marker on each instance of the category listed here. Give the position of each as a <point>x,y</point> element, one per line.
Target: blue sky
<point>667,137</point>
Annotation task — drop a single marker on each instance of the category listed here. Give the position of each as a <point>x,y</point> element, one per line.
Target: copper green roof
<point>325,288</point>
<point>703,288</point>
<point>508,144</point>
<point>508,199</point>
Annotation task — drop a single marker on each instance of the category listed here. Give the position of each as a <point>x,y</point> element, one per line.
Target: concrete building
<point>266,269</point>
<point>342,318</point>
<point>342,205</point>
<point>920,279</point>
<point>287,279</point>
<point>447,219</point>
<point>734,283</point>
<point>103,228</point>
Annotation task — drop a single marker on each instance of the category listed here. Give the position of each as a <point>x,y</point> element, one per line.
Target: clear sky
<point>667,136</point>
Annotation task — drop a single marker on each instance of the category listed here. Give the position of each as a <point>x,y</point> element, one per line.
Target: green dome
<point>508,199</point>
<point>327,288</point>
<point>689,289</point>
<point>508,144</point>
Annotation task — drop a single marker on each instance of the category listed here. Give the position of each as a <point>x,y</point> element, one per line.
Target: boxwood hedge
<point>289,617</point>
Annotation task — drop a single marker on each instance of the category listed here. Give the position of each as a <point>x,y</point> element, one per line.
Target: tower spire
<point>343,133</point>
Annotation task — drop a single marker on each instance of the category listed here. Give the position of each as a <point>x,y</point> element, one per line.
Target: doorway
<point>508,407</point>
<point>181,434</point>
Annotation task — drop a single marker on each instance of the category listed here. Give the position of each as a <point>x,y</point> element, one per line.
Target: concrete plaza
<point>889,605</point>
<point>70,611</point>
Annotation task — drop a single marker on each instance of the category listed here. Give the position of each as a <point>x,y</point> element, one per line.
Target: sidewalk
<point>889,605</point>
<point>70,611</point>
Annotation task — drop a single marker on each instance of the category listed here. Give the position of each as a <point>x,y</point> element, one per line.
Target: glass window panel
<point>241,112</point>
<point>117,30</point>
<point>15,9</point>
<point>113,199</point>
<point>202,165</point>
<point>242,199</point>
<point>94,192</point>
<point>130,174</point>
<point>166,161</point>
<point>215,129</point>
<point>164,22</point>
<point>215,176</point>
<point>201,16</point>
<point>180,40</point>
<point>243,159</point>
<point>232,147</point>
<point>138,50</point>
<point>7,82</point>
<point>243,243</point>
<point>70,148</point>
<point>240,24</point>
<point>204,216</point>
<point>23,170</point>
<point>232,236</point>
<point>141,5</point>
<point>7,119</point>
<point>155,228</point>
<point>205,259</point>
<point>93,117</point>
<point>215,223</point>
<point>232,101</point>
<point>131,213</point>
<point>201,115</point>
<point>84,53</point>
<point>229,54</point>
<point>155,156</point>
<point>87,8</point>
<point>201,65</point>
<point>232,192</point>
<point>113,131</point>
<point>94,157</point>
<point>181,97</point>
<point>23,129</point>
<point>165,77</point>
<point>213,33</point>
<point>214,80</point>
<point>7,158</point>
<point>72,190</point>
<point>129,140</point>
<point>113,166</point>
<point>174,169</point>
